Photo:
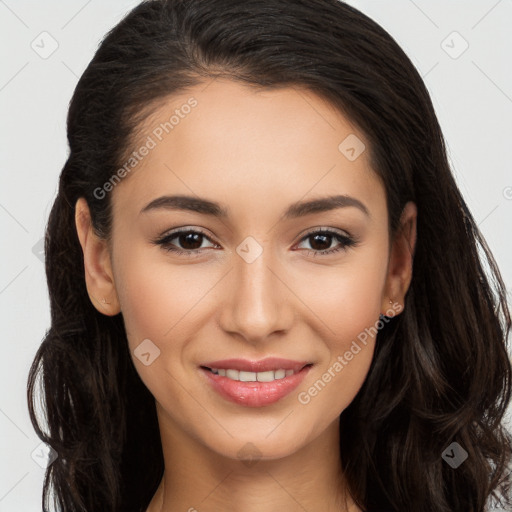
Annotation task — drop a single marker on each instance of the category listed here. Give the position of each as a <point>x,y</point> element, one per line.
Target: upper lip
<point>263,365</point>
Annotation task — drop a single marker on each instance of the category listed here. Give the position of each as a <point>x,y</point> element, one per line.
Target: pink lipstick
<point>255,383</point>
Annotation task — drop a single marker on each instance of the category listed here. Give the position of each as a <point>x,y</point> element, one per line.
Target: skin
<point>255,152</point>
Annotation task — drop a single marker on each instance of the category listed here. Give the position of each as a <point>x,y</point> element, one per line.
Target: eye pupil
<point>190,237</point>
<point>323,239</point>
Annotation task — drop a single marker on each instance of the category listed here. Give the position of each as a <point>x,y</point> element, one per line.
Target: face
<point>266,279</point>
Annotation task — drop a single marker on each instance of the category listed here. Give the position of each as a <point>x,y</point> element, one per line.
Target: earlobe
<point>99,277</point>
<point>401,259</point>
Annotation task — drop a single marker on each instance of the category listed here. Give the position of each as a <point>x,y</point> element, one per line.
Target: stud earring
<point>383,315</point>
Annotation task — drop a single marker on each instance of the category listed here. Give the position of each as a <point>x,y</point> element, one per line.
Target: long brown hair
<point>440,372</point>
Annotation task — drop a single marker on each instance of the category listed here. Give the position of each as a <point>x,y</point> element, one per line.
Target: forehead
<point>250,149</point>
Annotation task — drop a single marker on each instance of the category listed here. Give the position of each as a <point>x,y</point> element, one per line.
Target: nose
<point>258,303</point>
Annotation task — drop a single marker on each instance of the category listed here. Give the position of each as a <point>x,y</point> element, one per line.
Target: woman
<point>260,367</point>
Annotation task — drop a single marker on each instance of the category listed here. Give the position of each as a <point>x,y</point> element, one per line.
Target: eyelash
<point>346,241</point>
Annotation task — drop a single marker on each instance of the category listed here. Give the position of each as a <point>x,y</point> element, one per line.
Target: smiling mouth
<point>248,376</point>
<point>255,388</point>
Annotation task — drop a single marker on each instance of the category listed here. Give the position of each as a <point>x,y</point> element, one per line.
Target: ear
<point>99,278</point>
<point>400,262</point>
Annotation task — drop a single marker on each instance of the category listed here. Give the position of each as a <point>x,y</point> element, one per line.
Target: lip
<point>263,365</point>
<point>255,394</point>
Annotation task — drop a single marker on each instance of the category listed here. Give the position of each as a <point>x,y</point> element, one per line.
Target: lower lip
<point>255,394</point>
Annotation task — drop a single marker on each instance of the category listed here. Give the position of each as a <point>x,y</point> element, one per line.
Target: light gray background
<point>471,91</point>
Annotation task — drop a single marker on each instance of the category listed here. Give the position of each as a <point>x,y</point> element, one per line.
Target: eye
<point>190,240</point>
<point>321,241</point>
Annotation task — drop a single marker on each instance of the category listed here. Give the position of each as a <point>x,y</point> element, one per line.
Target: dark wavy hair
<point>440,373</point>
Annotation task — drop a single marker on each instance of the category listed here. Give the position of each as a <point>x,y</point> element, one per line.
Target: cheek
<point>349,347</point>
<point>348,302</point>
<point>158,299</point>
<point>160,303</point>
<point>347,297</point>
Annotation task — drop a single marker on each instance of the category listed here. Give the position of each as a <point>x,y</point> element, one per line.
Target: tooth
<point>247,376</point>
<point>280,374</point>
<point>265,376</point>
<point>244,376</point>
<point>232,374</point>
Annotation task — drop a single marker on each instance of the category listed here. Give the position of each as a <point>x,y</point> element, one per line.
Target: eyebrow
<point>295,210</point>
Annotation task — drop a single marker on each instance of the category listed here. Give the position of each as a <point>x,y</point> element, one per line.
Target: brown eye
<point>321,242</point>
<point>190,240</point>
<point>184,241</point>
